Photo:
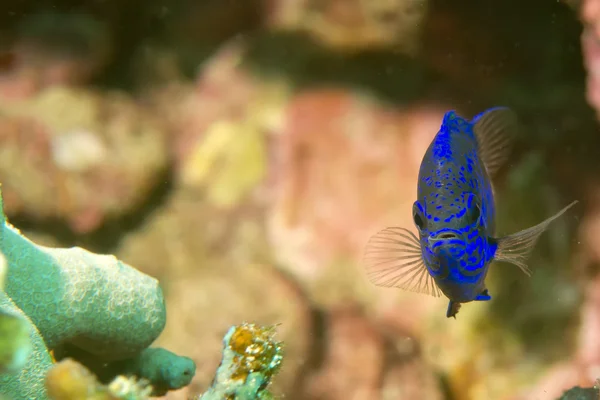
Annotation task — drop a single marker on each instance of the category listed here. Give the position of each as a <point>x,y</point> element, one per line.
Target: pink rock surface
<point>590,42</point>
<point>361,362</point>
<point>344,167</point>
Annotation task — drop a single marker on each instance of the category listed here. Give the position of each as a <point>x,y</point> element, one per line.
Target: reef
<point>69,380</point>
<point>72,301</point>
<point>251,357</point>
<point>250,148</point>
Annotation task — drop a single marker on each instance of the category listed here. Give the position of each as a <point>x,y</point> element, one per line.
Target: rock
<point>53,49</point>
<point>359,361</point>
<point>590,42</point>
<point>344,167</point>
<point>220,134</point>
<point>96,156</point>
<point>354,24</point>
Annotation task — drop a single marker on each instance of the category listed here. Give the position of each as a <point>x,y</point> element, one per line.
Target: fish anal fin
<point>495,130</point>
<point>516,248</point>
<point>453,307</point>
<point>483,296</point>
<point>393,258</point>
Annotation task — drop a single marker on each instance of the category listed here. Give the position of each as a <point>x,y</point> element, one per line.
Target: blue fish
<point>455,216</point>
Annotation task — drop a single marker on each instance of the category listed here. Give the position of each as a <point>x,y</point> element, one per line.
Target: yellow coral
<point>69,380</point>
<point>230,158</point>
<point>256,349</point>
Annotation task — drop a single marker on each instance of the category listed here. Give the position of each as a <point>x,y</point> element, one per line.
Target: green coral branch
<point>24,357</point>
<point>15,329</point>
<point>70,298</point>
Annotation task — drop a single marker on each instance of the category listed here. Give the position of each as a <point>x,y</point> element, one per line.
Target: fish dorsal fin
<point>393,258</point>
<point>494,130</point>
<point>516,248</point>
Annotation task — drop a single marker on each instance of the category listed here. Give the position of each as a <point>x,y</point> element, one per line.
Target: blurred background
<point>243,151</point>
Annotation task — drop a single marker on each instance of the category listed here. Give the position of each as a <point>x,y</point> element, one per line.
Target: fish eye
<point>418,217</point>
<point>476,213</point>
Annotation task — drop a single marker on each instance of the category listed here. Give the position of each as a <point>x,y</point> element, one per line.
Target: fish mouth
<point>443,238</point>
<point>448,236</point>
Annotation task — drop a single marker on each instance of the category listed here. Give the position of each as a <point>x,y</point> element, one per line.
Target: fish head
<point>452,237</point>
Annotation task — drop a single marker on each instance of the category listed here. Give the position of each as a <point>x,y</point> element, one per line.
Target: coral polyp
<point>251,357</point>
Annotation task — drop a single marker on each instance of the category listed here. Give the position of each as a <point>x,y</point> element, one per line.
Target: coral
<point>129,388</point>
<point>95,303</point>
<point>163,369</point>
<point>23,354</point>
<point>160,368</point>
<point>251,358</point>
<point>15,343</point>
<point>69,380</point>
<point>74,296</point>
<point>221,257</point>
<point>28,381</point>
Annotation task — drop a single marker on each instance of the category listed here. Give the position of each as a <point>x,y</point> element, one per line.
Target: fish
<point>455,216</point>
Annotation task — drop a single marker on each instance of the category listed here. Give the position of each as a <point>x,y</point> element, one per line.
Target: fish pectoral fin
<point>516,248</point>
<point>494,130</point>
<point>393,258</point>
<point>453,307</point>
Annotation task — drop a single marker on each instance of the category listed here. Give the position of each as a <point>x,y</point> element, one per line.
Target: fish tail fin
<point>494,131</point>
<point>516,248</point>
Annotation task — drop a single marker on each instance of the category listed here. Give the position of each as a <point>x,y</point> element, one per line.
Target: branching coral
<point>69,380</point>
<point>162,368</point>
<point>250,360</point>
<point>24,357</point>
<point>94,303</point>
<point>15,343</point>
<point>104,314</point>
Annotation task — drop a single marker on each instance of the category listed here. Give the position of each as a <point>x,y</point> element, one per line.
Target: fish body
<point>455,216</point>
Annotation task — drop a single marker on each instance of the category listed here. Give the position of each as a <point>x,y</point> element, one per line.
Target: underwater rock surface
<point>354,24</point>
<point>78,156</point>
